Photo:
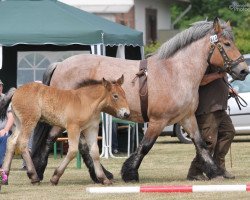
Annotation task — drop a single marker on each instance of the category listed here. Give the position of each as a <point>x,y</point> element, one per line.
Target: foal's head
<point>117,103</point>
<point>223,52</point>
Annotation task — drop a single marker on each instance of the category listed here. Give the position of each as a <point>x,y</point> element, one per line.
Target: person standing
<point>214,123</point>
<point>5,127</point>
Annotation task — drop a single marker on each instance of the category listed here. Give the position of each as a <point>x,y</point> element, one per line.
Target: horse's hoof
<point>219,178</point>
<point>108,174</point>
<point>130,176</point>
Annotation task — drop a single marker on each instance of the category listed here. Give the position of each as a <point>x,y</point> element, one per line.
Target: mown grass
<point>166,164</point>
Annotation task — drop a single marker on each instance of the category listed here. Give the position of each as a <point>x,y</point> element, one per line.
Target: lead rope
<point>239,100</point>
<point>230,148</point>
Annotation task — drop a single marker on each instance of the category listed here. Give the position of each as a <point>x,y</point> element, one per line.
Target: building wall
<point>127,19</point>
<point>163,15</point>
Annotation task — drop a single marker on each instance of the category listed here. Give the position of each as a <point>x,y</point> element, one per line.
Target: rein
<point>239,100</point>
<point>229,64</point>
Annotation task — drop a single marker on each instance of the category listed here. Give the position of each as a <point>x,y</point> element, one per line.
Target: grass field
<point>166,164</point>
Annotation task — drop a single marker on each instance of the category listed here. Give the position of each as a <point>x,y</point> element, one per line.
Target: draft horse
<point>77,111</point>
<point>173,77</point>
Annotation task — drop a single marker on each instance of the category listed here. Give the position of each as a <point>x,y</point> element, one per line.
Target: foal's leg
<point>91,139</point>
<point>11,145</point>
<point>84,150</point>
<point>207,163</point>
<point>73,135</point>
<point>130,167</point>
<point>23,140</point>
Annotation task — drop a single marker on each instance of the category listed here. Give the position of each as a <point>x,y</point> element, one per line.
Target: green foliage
<point>209,9</point>
<point>242,40</point>
<point>151,48</point>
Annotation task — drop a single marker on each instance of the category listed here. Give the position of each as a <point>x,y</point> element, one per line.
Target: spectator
<point>5,127</point>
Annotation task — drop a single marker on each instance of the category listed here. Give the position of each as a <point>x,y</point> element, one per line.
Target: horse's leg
<point>73,139</point>
<point>91,139</point>
<point>130,167</point>
<point>84,150</point>
<point>206,162</point>
<point>40,145</point>
<point>11,145</point>
<point>40,167</point>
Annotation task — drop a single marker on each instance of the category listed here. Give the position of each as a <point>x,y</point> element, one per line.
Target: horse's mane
<point>197,31</point>
<point>90,82</point>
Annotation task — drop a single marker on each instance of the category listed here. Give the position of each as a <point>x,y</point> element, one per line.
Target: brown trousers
<point>217,131</point>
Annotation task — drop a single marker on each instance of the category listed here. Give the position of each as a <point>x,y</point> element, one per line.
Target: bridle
<point>229,64</point>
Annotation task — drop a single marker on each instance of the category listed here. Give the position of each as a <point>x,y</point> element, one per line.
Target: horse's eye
<point>115,96</point>
<point>227,44</point>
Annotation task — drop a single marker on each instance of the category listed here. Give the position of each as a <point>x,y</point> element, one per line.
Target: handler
<point>214,123</point>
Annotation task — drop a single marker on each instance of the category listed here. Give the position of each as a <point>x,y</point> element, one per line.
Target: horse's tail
<point>5,101</point>
<point>48,73</point>
<point>39,150</point>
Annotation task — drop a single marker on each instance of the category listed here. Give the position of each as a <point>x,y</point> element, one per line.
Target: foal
<point>77,111</point>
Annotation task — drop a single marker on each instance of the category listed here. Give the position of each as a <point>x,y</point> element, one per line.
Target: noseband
<point>229,64</point>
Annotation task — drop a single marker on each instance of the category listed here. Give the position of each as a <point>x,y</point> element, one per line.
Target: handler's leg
<point>130,167</point>
<point>225,137</point>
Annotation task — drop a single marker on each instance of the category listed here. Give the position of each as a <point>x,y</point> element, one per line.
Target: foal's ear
<point>217,26</point>
<point>120,81</point>
<point>106,84</point>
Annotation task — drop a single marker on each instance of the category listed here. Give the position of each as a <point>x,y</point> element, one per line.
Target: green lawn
<point>166,164</point>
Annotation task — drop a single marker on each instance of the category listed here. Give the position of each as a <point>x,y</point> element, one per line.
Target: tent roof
<point>53,22</point>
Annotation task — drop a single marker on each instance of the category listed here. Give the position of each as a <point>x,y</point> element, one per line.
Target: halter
<point>229,64</point>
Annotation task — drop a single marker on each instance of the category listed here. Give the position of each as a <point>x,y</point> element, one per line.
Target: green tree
<point>208,9</point>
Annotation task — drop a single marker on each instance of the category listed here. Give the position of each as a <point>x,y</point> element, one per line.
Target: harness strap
<point>229,64</point>
<point>143,88</point>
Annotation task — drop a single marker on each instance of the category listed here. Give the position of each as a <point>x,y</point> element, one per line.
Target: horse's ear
<point>217,26</point>
<point>120,81</point>
<point>228,23</point>
<point>106,84</point>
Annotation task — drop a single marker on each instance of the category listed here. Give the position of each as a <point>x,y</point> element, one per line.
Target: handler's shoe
<point>198,177</point>
<point>228,175</point>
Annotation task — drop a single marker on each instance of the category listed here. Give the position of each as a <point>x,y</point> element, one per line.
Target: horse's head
<point>116,99</point>
<point>224,53</point>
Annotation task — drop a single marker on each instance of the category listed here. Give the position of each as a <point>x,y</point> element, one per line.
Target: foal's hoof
<point>35,182</point>
<point>53,181</point>
<point>107,182</point>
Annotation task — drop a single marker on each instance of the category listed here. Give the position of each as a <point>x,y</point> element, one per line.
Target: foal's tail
<point>5,101</point>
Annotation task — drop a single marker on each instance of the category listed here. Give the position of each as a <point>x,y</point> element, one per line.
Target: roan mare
<point>173,77</point>
<point>77,111</point>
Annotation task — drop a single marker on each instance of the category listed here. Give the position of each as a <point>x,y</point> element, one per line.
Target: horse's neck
<point>95,94</point>
<point>191,62</point>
